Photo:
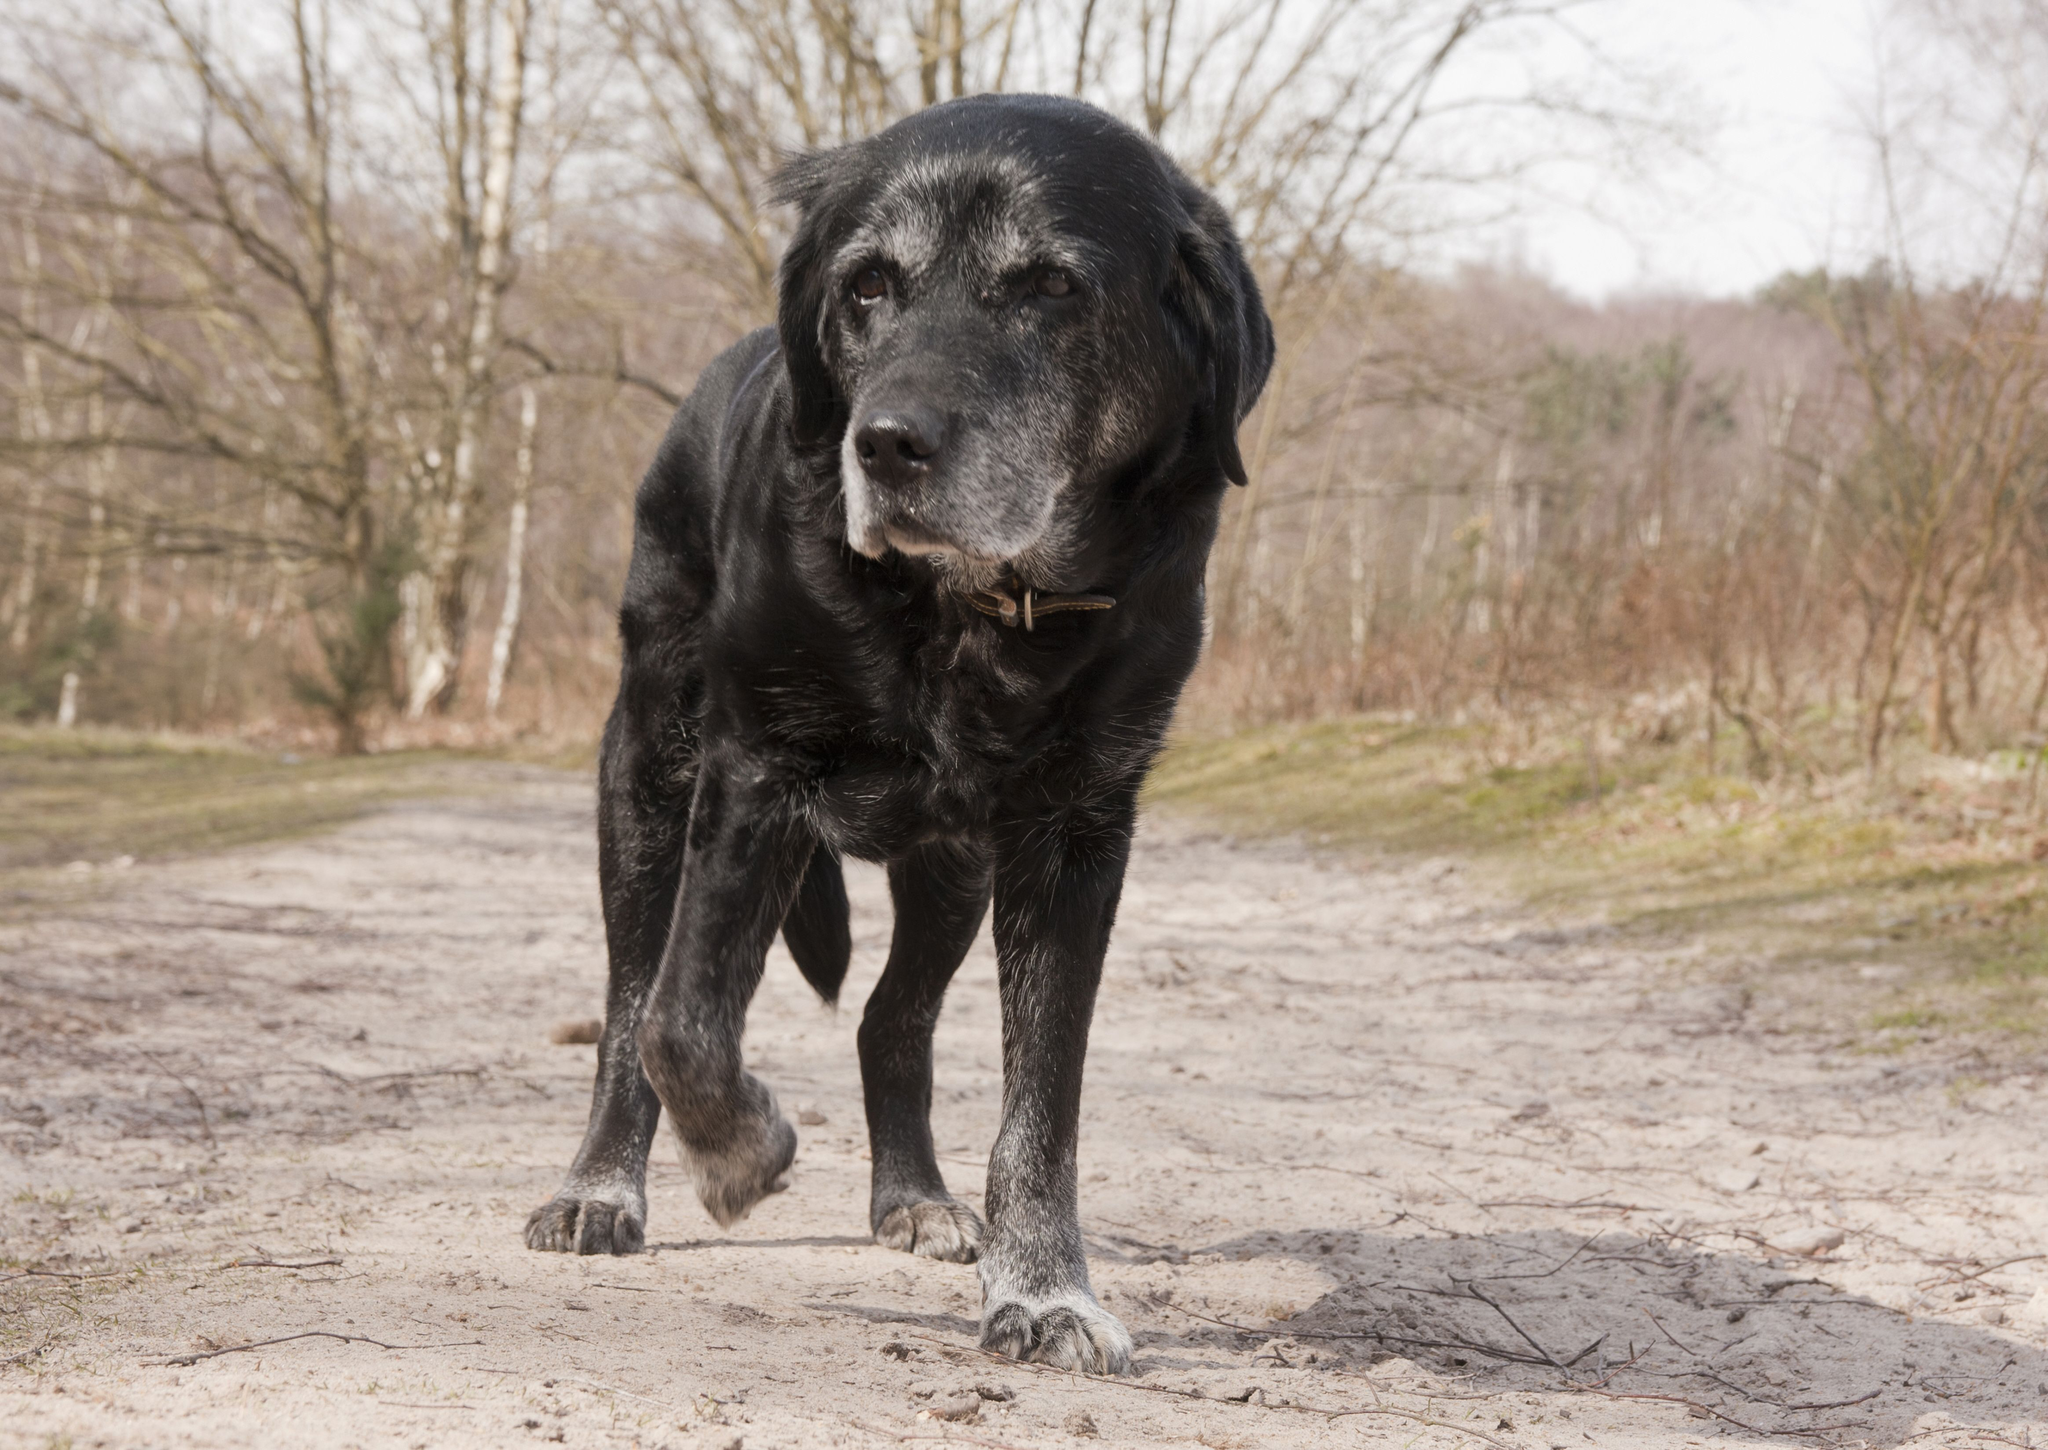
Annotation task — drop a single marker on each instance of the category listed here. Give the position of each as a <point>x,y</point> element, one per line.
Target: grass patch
<point>1915,906</point>
<point>103,797</point>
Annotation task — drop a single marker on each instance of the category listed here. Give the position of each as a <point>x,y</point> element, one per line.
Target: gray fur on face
<point>1029,410</point>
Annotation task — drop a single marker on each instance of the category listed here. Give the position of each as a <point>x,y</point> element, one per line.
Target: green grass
<point>97,796</point>
<point>1913,908</point>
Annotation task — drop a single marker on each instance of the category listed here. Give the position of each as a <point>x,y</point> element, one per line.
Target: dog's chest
<point>927,743</point>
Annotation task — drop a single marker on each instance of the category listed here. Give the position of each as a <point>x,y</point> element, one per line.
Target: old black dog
<point>918,577</point>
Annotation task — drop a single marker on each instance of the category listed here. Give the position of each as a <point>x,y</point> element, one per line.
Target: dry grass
<point>75,803</point>
<point>1906,911</point>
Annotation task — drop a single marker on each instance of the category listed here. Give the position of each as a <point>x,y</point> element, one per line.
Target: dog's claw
<point>934,1229</point>
<point>572,1225</point>
<point>1078,1335</point>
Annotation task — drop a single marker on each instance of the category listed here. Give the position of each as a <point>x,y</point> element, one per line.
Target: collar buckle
<point>1024,606</point>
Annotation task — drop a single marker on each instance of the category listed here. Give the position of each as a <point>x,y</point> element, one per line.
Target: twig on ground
<point>1669,1335</point>
<point>1841,1404</point>
<point>59,1274</point>
<point>1372,1336</point>
<point>1608,1372</point>
<point>274,1264</point>
<point>1707,1411</point>
<point>1978,1274</point>
<point>1815,1303</point>
<point>180,1360</point>
<point>1411,1416</point>
<point>1575,1203</point>
<point>1548,1358</point>
<point>386,1079</point>
<point>205,1122</point>
<point>1557,1268</point>
<point>1586,1351</point>
<point>25,1355</point>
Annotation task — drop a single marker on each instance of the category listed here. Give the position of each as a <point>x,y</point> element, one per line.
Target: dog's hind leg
<point>746,854</point>
<point>643,808</point>
<point>941,894</point>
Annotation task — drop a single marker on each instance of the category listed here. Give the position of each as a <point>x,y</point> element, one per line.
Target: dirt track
<point>1425,1152</point>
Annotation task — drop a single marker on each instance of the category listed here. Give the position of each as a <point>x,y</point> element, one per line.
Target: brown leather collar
<point>1027,604</point>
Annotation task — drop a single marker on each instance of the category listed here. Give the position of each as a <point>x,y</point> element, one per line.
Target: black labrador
<point>917,577</point>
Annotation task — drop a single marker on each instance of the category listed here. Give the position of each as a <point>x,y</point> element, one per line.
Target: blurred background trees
<point>334,334</point>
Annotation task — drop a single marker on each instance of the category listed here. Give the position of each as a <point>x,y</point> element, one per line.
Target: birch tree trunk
<point>432,671</point>
<point>97,470</point>
<point>515,557</point>
<point>32,418</point>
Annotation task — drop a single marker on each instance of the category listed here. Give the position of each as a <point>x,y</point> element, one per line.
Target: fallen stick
<point>1530,1339</point>
<point>1490,1351</point>
<point>1429,1421</point>
<point>274,1264</point>
<point>181,1360</point>
<point>1709,1411</point>
<point>1840,1404</point>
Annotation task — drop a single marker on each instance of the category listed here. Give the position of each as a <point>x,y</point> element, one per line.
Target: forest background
<point>334,335</point>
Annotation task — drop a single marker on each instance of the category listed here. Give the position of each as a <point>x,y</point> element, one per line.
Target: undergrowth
<point>74,803</point>
<point>1902,910</point>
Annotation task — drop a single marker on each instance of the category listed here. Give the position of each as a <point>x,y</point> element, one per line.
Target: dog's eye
<point>1052,282</point>
<point>870,285</point>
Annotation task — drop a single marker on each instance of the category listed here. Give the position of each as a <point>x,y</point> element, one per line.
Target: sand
<point>1368,1157</point>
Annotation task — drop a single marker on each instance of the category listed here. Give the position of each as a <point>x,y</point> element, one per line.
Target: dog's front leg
<point>1055,899</point>
<point>741,866</point>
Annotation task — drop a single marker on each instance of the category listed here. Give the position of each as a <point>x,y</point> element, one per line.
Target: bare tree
<point>479,219</point>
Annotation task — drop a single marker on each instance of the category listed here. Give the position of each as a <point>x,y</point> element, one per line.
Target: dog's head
<point>998,307</point>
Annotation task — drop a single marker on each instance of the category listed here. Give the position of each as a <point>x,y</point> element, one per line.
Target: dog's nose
<point>897,445</point>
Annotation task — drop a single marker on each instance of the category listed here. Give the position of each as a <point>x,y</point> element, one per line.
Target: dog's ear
<point>1216,302</point>
<point>800,296</point>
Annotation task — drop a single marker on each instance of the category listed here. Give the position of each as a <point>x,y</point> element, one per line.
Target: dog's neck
<point>1022,605</point>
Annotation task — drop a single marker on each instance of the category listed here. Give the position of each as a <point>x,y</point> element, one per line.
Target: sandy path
<point>1322,1102</point>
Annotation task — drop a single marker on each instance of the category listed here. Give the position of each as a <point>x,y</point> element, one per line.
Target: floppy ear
<point>1217,302</point>
<point>800,299</point>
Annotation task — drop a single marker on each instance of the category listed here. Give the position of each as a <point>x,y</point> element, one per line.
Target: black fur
<point>1013,348</point>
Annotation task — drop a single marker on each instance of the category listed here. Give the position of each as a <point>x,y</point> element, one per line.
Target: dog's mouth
<point>908,539</point>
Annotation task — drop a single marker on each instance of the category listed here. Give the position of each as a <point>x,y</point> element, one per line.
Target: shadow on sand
<point>1765,1345</point>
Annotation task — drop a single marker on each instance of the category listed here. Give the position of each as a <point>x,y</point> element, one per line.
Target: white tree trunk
<point>445,532</point>
<point>35,428</point>
<point>97,469</point>
<point>515,556</point>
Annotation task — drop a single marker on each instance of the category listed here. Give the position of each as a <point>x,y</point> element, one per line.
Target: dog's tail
<point>816,931</point>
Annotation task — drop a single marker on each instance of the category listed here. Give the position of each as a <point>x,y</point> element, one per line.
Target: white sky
<point>1786,173</point>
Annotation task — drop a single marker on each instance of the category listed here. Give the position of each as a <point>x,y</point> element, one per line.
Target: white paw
<point>583,1219</point>
<point>732,1178</point>
<point>1069,1330</point>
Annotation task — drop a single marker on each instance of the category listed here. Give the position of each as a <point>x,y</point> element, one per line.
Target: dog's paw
<point>936,1228</point>
<point>572,1223</point>
<point>1070,1331</point>
<point>752,1164</point>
